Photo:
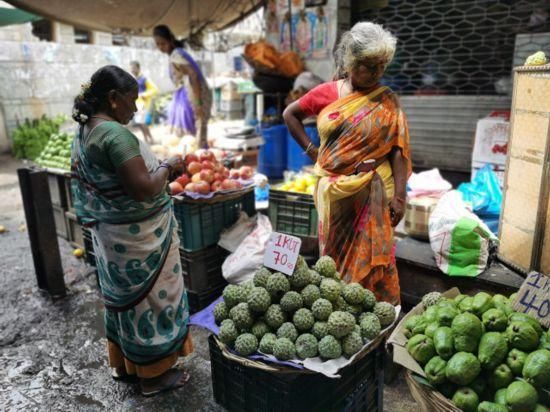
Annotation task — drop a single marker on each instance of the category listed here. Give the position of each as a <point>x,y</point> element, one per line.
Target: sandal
<point>177,380</point>
<point>123,377</point>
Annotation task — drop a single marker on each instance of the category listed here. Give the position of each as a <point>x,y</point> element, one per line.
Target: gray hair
<point>364,40</point>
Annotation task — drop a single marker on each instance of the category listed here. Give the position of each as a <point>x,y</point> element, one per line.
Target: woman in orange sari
<point>363,161</point>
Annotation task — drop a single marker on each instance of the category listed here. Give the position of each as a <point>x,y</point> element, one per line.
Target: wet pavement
<point>52,353</point>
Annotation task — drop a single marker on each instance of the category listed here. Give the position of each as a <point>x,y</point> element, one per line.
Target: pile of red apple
<point>204,174</point>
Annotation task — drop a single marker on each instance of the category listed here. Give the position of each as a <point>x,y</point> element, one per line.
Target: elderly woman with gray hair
<point>363,161</point>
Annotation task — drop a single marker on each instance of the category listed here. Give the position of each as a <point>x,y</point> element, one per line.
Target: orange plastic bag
<point>291,64</point>
<point>263,54</point>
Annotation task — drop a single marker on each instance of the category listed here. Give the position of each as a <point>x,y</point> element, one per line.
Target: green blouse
<point>110,145</point>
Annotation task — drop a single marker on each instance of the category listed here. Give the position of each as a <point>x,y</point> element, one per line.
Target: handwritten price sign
<point>534,297</point>
<point>282,253</point>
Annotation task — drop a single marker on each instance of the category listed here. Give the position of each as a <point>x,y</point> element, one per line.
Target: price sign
<point>534,297</point>
<point>282,253</point>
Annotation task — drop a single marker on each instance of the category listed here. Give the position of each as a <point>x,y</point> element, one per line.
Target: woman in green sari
<point>120,192</point>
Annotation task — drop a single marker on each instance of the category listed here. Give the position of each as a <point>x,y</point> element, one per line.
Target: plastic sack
<point>485,196</point>
<point>249,254</point>
<point>427,184</point>
<point>462,243</point>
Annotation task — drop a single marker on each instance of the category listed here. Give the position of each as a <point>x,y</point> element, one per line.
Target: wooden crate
<point>525,218</point>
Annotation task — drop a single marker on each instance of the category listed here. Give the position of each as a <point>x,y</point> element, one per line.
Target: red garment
<point>318,98</point>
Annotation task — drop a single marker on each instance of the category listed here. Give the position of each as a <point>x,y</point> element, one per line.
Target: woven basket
<point>429,400</point>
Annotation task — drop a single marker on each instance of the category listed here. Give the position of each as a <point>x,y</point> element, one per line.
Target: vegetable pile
<point>30,138</point>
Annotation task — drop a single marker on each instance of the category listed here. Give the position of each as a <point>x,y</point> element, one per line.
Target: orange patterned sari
<point>354,216</point>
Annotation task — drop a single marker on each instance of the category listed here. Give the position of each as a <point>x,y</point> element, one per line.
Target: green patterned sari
<point>136,247</point>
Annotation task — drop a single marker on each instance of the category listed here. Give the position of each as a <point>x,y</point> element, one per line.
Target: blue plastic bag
<point>485,195</point>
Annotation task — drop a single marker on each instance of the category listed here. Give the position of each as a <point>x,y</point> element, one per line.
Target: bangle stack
<point>309,147</point>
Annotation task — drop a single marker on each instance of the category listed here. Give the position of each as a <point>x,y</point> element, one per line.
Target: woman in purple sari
<point>188,112</point>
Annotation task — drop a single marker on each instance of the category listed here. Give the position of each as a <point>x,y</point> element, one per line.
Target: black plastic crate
<point>88,246</point>
<point>293,213</point>
<point>201,222</point>
<point>202,270</point>
<point>200,300</point>
<point>244,388</point>
<point>58,194</point>
<point>74,230</point>
<point>68,193</point>
<point>60,221</point>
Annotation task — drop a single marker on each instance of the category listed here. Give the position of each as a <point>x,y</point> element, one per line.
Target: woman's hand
<point>397,210</point>
<point>176,162</point>
<point>313,154</point>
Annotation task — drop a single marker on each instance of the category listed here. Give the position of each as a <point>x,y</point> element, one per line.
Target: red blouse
<point>318,98</point>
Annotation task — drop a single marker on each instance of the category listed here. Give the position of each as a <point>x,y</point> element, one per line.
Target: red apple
<point>228,184</point>
<point>191,157</point>
<point>246,172</point>
<point>207,175</point>
<point>207,155</point>
<point>191,187</point>
<point>175,188</point>
<point>196,178</point>
<point>235,174</point>
<point>225,172</point>
<point>194,168</point>
<point>207,164</point>
<point>216,186</point>
<point>183,180</point>
<point>202,187</point>
<point>218,177</point>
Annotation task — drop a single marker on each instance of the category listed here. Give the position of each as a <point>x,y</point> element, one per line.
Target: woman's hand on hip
<point>397,210</point>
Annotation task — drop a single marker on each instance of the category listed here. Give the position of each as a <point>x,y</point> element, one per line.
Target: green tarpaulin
<point>15,16</point>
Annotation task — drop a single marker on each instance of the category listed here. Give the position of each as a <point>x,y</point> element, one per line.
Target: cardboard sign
<point>534,297</point>
<point>282,253</point>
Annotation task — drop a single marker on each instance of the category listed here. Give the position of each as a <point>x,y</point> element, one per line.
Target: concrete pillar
<point>102,39</point>
<point>62,33</point>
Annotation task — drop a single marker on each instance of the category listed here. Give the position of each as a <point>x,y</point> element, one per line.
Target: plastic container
<point>202,270</point>
<point>293,213</point>
<point>74,230</point>
<point>272,158</point>
<point>60,222</point>
<point>244,388</point>
<point>58,195</point>
<point>88,246</point>
<point>199,300</point>
<point>201,222</point>
<point>296,157</point>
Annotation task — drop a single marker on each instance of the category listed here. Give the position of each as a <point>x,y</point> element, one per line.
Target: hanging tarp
<point>9,16</point>
<point>184,17</point>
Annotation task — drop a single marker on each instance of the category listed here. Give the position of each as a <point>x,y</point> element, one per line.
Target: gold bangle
<point>309,146</point>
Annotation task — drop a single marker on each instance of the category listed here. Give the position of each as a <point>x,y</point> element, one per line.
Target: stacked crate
<point>200,223</point>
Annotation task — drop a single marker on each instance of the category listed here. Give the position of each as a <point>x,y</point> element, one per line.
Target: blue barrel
<point>296,157</point>
<point>272,157</point>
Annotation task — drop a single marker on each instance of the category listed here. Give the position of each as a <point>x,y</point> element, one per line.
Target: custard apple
<point>303,319</point>
<point>228,332</point>
<point>277,286</point>
<point>291,301</point>
<point>354,294</point>
<point>370,300</point>
<point>370,326</point>
<point>355,310</point>
<point>356,329</point>
<point>351,344</point>
<point>330,289</point>
<point>246,289</point>
<point>261,276</point>
<point>326,267</point>
<point>242,316</point>
<point>259,300</point>
<point>306,346</point>
<point>300,278</point>
<point>431,299</point>
<point>267,342</point>
<point>259,329</point>
<point>321,309</point>
<point>221,312</point>
<point>287,330</point>
<point>330,348</point>
<point>310,294</point>
<point>284,349</point>
<point>385,312</point>
<point>315,277</point>
<point>233,295</point>
<point>275,317</point>
<point>340,304</point>
<point>320,330</point>
<point>340,323</point>
<point>246,344</point>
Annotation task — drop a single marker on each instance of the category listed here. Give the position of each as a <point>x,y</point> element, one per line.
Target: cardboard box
<point>417,216</point>
<point>399,341</point>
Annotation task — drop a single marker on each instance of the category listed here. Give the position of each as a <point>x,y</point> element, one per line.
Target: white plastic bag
<point>231,238</point>
<point>240,266</point>
<point>429,183</point>
<point>460,240</point>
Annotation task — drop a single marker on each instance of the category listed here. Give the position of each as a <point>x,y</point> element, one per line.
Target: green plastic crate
<point>293,213</point>
<point>201,222</point>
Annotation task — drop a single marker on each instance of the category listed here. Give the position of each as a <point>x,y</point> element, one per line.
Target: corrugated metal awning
<point>184,17</point>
